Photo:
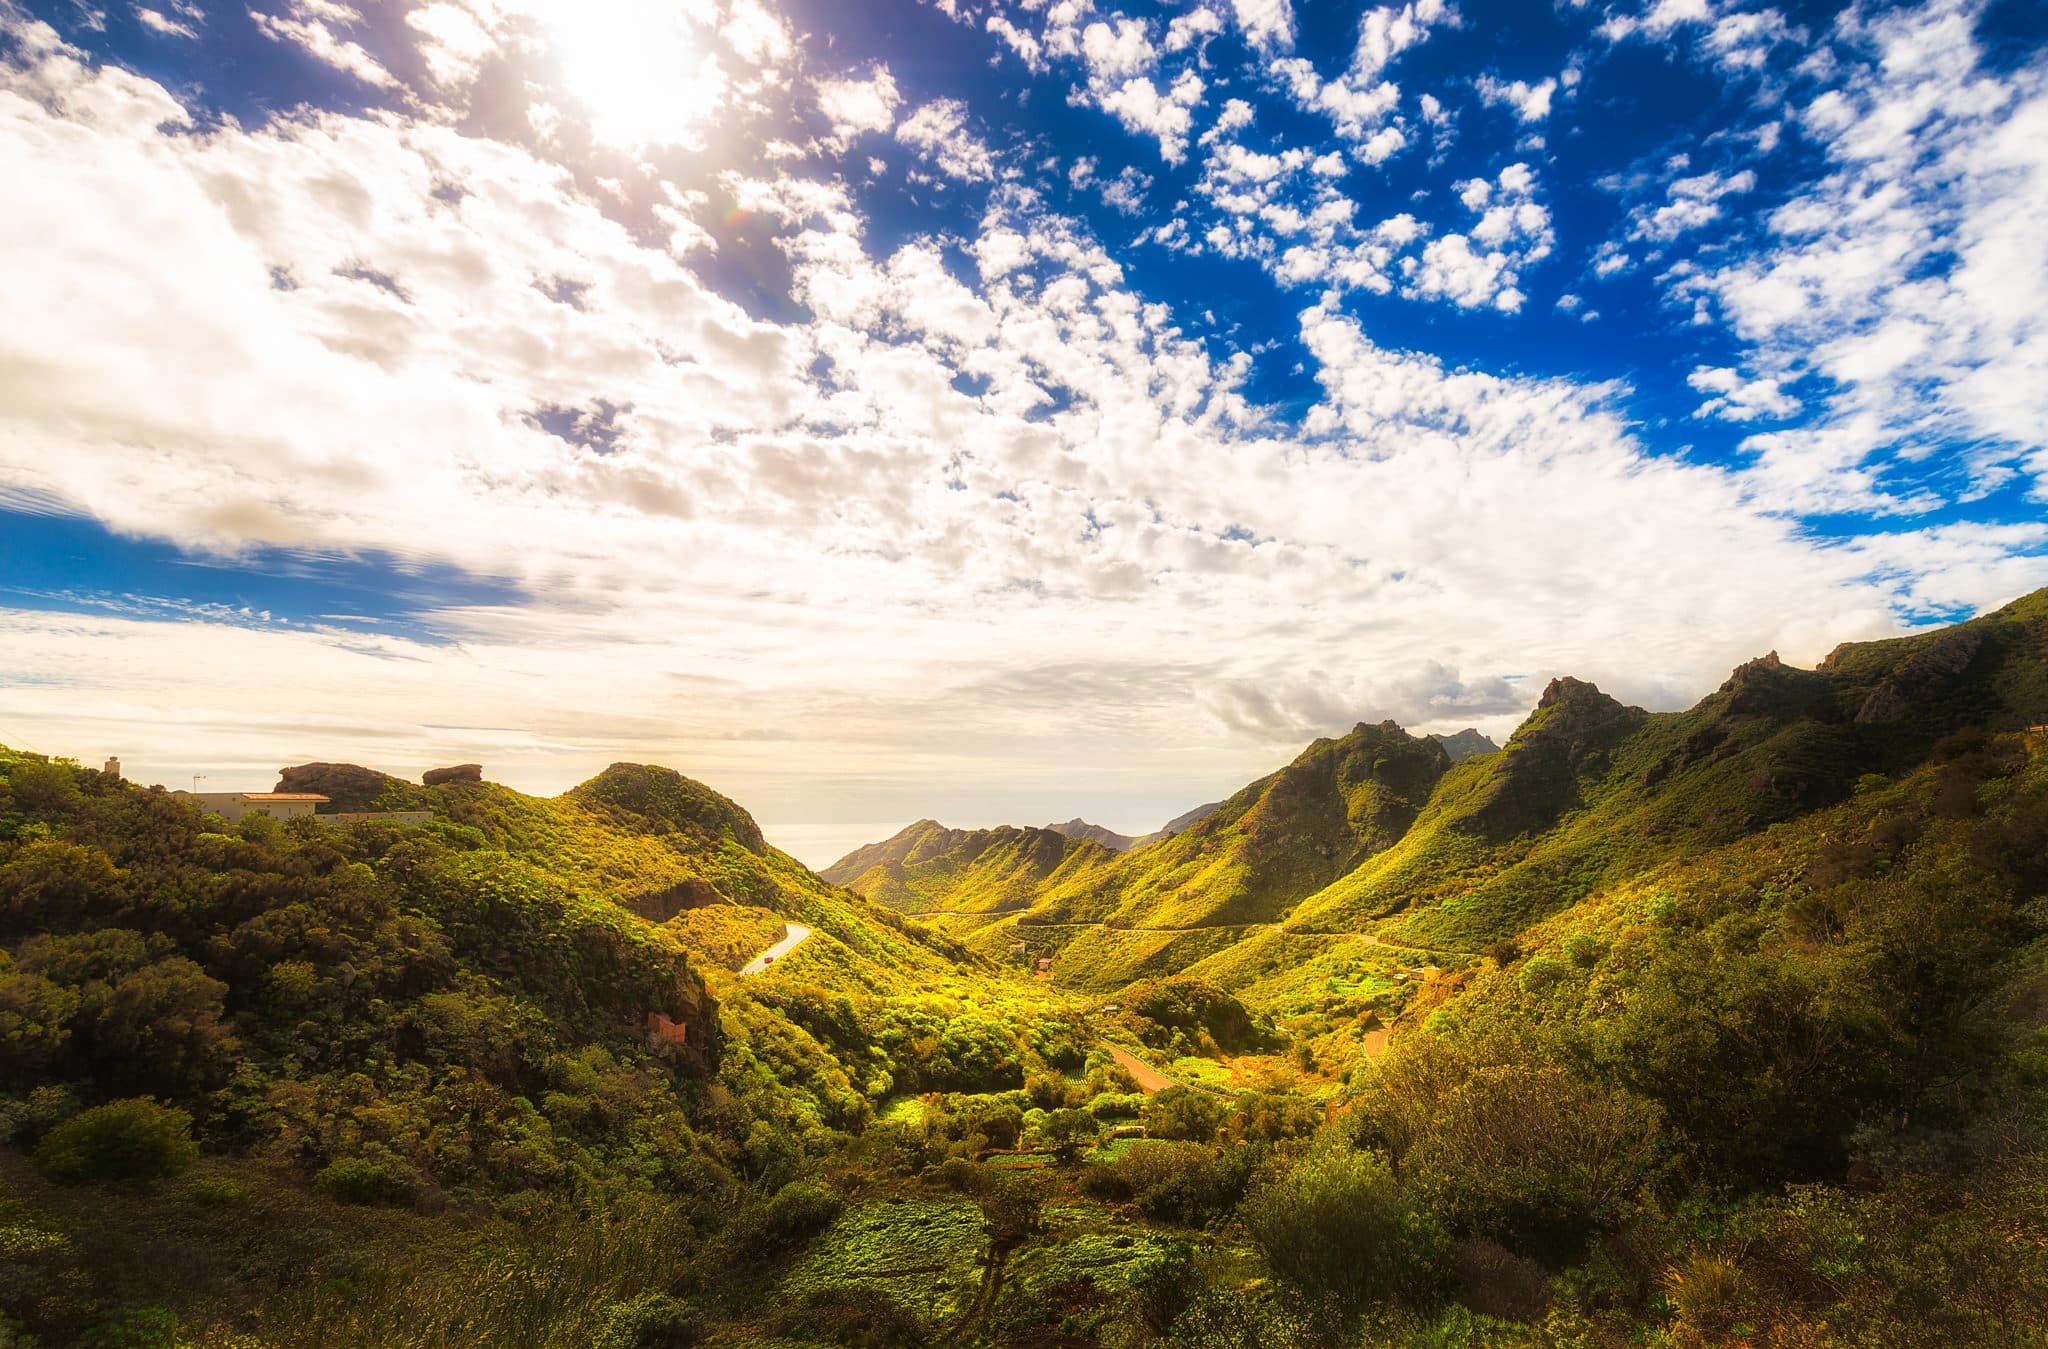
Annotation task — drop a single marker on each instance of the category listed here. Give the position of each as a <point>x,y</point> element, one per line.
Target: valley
<point>1710,1026</point>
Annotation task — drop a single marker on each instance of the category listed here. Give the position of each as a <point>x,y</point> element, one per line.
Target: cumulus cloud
<point>1164,114</point>
<point>1483,265</point>
<point>1529,102</point>
<point>1691,202</point>
<point>938,131</point>
<point>1737,399</point>
<point>853,106</point>
<point>1266,23</point>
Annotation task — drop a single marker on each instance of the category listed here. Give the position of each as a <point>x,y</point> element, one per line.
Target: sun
<point>639,68</point>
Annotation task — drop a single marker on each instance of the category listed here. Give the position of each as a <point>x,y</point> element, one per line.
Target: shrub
<point>799,1211</point>
<point>136,1328</point>
<point>863,1317</point>
<point>1183,1113</point>
<point>653,1320</point>
<point>1337,1227</point>
<point>123,1140</point>
<point>960,1175</point>
<point>359,1180</point>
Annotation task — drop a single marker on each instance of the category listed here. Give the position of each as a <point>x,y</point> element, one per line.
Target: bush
<point>136,1328</point>
<point>1338,1227</point>
<point>653,1320</point>
<point>865,1318</point>
<point>359,1180</point>
<point>799,1211</point>
<point>122,1140</point>
<point>1184,1113</point>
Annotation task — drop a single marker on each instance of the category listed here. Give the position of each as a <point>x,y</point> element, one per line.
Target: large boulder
<point>348,786</point>
<point>462,772</point>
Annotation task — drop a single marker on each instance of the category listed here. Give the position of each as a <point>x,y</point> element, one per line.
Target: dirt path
<point>797,933</point>
<point>1149,1079</point>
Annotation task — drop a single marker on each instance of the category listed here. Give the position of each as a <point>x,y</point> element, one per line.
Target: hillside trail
<point>760,963</point>
<point>1149,1079</point>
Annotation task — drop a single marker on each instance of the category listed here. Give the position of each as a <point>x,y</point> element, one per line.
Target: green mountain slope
<point>1282,837</point>
<point>1379,836</point>
<point>1582,800</point>
<point>928,867</point>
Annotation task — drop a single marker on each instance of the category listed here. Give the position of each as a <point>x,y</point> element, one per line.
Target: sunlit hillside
<point>1604,1033</point>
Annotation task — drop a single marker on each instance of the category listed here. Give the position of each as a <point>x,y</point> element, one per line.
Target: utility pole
<point>197,778</point>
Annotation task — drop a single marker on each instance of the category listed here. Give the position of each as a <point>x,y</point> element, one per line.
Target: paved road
<point>797,933</point>
<point>1149,1079</point>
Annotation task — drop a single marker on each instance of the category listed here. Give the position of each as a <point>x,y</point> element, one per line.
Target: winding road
<point>760,963</point>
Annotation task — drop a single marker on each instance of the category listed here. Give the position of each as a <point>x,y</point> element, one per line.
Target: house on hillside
<point>234,807</point>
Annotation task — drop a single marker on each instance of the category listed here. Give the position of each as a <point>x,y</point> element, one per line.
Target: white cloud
<point>1019,41</point>
<point>1736,399</point>
<point>1483,266</point>
<point>1140,105</point>
<point>756,34</point>
<point>1530,103</point>
<point>1266,23</point>
<point>1690,203</point>
<point>1115,52</point>
<point>159,22</point>
<point>1192,28</point>
<point>1126,192</point>
<point>1384,33</point>
<point>854,106</point>
<point>1908,275</point>
<point>453,43</point>
<point>306,25</point>
<point>938,131</point>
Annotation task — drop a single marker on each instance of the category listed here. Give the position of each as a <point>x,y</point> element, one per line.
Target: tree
<point>1337,1226</point>
<point>135,1139</point>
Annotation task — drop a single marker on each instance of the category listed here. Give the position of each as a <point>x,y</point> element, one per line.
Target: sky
<point>989,410</point>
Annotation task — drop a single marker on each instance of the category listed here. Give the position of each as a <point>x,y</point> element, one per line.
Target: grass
<point>924,1253</point>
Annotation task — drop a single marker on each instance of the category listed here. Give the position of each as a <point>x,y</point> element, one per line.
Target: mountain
<point>1179,824</point>
<point>1095,833</point>
<point>1381,832</point>
<point>927,867</point>
<point>1278,840</point>
<point>1465,744</point>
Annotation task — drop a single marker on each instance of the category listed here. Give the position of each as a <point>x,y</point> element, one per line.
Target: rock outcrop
<point>462,772</point>
<point>349,787</point>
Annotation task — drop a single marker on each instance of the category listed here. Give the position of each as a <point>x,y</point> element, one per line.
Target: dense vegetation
<point>1723,1026</point>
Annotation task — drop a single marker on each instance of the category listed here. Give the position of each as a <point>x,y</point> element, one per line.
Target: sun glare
<point>638,67</point>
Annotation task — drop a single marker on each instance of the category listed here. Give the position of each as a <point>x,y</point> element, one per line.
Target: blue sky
<point>990,410</point>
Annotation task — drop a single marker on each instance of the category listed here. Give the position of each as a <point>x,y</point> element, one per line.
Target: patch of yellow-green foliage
<point>925,1254</point>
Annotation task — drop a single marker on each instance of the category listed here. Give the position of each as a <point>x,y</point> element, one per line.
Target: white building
<point>237,806</point>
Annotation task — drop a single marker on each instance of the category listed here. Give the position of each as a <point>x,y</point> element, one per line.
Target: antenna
<point>197,778</point>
